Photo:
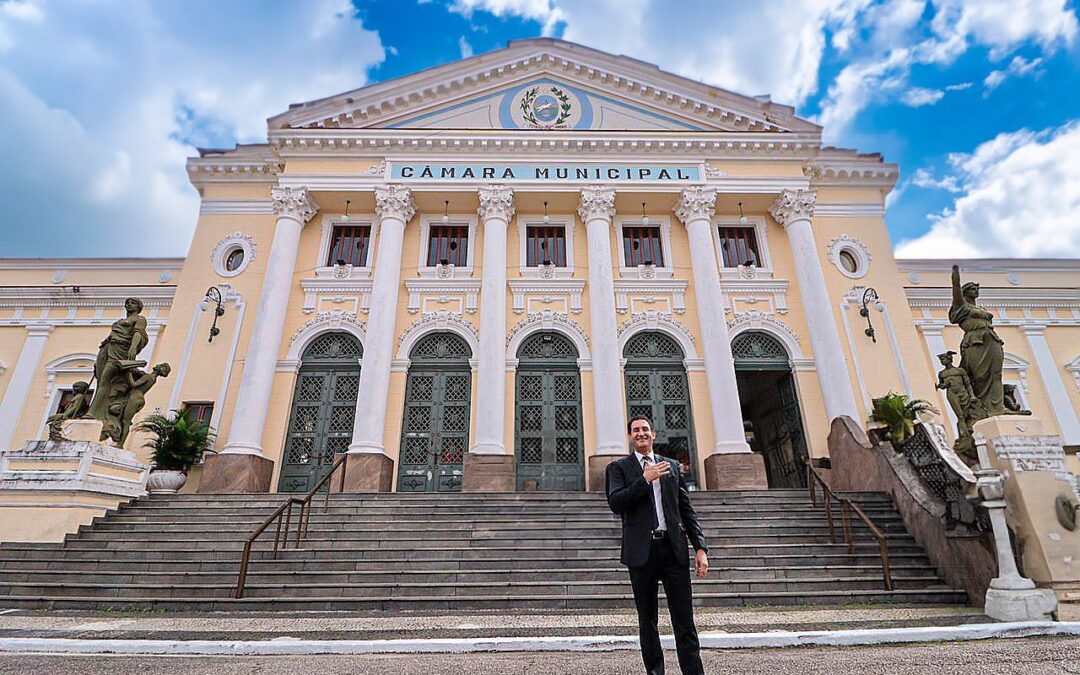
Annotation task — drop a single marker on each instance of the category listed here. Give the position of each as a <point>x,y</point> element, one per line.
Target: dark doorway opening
<point>770,408</point>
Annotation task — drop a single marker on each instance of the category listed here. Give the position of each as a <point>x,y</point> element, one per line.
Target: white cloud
<point>1018,67</point>
<point>1021,194</point>
<point>918,96</point>
<point>1005,24</point>
<point>895,46</point>
<point>465,48</point>
<point>101,103</point>
<point>960,86</point>
<point>544,11</point>
<point>924,179</point>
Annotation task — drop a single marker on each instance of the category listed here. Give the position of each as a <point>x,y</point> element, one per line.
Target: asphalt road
<point>1033,656</point>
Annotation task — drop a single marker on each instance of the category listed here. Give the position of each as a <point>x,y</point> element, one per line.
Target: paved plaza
<point>1032,656</point>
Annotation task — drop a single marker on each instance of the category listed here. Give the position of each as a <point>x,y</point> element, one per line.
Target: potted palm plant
<point>177,443</point>
<point>898,414</point>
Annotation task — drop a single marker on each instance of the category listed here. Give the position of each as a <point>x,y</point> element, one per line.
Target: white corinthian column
<point>241,466</point>
<point>488,467</point>
<point>793,209</point>
<point>395,207</point>
<point>496,209</point>
<point>294,207</point>
<point>369,468</point>
<point>597,209</point>
<point>695,209</point>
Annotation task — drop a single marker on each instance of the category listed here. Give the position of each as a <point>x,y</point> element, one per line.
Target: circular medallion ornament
<point>546,107</point>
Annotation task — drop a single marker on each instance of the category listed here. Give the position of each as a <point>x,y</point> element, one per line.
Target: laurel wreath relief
<point>530,96</point>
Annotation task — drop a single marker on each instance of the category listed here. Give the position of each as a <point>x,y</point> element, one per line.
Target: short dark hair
<point>636,418</point>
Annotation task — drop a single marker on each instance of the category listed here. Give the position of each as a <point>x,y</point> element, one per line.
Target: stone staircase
<point>455,552</point>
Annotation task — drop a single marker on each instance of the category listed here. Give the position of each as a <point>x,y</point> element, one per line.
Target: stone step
<point>471,530</point>
<point>937,594</point>
<point>290,561</point>
<point>554,496</point>
<point>259,575</point>
<point>317,515</point>
<point>766,551</point>
<point>464,589</point>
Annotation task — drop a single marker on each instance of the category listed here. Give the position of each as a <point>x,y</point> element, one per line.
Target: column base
<point>367,472</point>
<point>489,473</point>
<point>228,473</point>
<point>597,469</point>
<point>735,471</point>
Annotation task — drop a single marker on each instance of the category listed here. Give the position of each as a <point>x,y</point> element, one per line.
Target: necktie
<point>648,460</point>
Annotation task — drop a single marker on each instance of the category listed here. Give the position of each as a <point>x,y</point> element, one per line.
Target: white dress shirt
<point>658,502</point>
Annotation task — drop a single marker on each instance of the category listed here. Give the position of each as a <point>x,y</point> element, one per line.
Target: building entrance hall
<point>770,407</point>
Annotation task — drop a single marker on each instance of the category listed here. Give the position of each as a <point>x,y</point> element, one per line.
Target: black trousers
<point>662,566</point>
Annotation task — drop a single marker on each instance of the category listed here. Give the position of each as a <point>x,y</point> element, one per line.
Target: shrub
<point>899,413</point>
<point>177,441</point>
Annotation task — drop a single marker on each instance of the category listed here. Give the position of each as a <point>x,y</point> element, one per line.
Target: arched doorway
<point>435,427</point>
<point>323,408</point>
<point>547,415</point>
<point>770,407</point>
<point>657,387</point>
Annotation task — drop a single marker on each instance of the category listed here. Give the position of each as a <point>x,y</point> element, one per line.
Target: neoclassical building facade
<point>470,277</point>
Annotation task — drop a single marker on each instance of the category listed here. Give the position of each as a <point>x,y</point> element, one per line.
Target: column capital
<point>1033,329</point>
<point>294,202</point>
<point>496,201</point>
<point>394,201</point>
<point>39,329</point>
<point>793,205</point>
<point>696,203</point>
<point>597,202</point>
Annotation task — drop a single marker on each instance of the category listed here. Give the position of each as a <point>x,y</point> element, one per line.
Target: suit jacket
<point>630,496</point>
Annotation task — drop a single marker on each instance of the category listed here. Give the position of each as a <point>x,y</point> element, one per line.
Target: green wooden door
<point>547,415</point>
<point>323,409</point>
<point>435,428</point>
<point>657,387</point>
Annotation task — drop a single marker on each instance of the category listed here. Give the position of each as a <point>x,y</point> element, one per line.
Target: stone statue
<point>75,409</point>
<point>967,408</point>
<point>138,383</point>
<point>981,351</point>
<point>116,354</point>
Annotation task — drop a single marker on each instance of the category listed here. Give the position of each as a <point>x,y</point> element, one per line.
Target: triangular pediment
<point>544,84</point>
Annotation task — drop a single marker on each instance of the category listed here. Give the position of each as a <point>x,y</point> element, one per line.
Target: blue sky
<point>101,102</point>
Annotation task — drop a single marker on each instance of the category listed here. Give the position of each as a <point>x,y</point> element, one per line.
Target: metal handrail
<point>847,506</point>
<point>286,509</point>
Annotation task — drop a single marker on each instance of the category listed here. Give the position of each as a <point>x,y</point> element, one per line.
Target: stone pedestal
<point>368,472</point>
<point>1032,464</point>
<point>1034,604</point>
<point>735,471</point>
<point>597,467</point>
<point>83,430</point>
<point>489,473</point>
<point>236,473</point>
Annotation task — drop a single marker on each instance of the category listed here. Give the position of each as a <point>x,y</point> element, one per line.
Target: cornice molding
<point>571,289</point>
<point>235,207</point>
<point>84,296</point>
<point>993,265</point>
<point>696,146</point>
<point>521,61</point>
<point>171,264</point>
<point>849,210</point>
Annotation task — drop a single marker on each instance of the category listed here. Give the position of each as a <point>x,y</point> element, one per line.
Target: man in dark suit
<point>649,493</point>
